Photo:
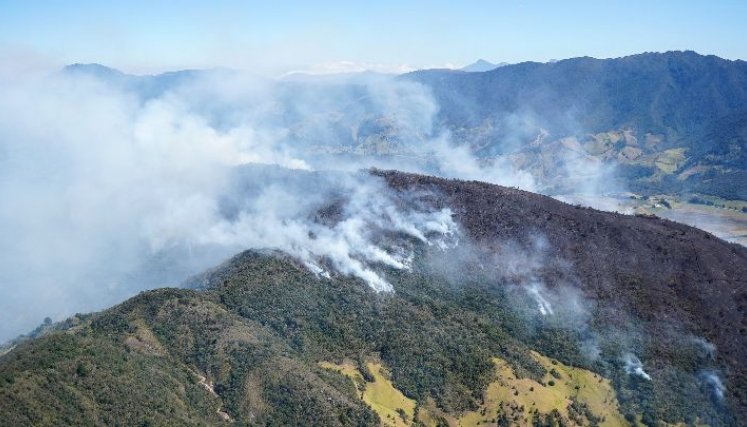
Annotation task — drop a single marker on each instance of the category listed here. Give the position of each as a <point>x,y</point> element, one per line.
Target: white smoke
<point>267,221</point>
<point>559,301</point>
<point>714,383</point>
<point>110,185</point>
<point>634,366</point>
<point>708,348</point>
<point>104,193</point>
<point>536,291</point>
<point>458,161</point>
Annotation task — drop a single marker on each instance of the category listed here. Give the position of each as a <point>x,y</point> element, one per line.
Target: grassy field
<point>390,404</point>
<point>576,395</point>
<point>523,399</point>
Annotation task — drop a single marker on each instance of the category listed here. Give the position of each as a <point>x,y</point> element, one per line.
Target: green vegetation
<point>393,408</point>
<point>670,122</point>
<point>575,397</point>
<point>143,363</point>
<point>249,349</point>
<point>580,398</point>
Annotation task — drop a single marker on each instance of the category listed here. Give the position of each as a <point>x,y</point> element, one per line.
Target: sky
<point>281,36</point>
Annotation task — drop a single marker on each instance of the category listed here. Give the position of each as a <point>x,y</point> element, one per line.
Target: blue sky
<point>273,37</point>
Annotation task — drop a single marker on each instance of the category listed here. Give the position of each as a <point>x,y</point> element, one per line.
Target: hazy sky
<point>277,36</point>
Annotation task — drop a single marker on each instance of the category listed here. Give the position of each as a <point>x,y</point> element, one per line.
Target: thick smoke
<point>110,184</point>
<point>276,214</point>
<point>536,290</point>
<point>106,190</point>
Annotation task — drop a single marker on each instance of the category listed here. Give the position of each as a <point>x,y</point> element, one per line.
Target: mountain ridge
<point>481,66</point>
<point>263,322</point>
<point>662,101</point>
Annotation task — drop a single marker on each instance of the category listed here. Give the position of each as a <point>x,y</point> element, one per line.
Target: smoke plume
<point>107,189</point>
<point>111,184</point>
<point>634,366</point>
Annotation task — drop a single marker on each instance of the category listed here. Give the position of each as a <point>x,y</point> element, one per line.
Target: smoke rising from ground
<point>530,281</point>
<point>105,192</point>
<point>634,366</point>
<point>714,383</point>
<point>110,184</point>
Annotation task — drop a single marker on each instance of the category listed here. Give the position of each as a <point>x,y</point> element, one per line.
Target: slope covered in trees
<point>629,298</point>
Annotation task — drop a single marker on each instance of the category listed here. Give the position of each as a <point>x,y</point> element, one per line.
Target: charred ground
<point>260,324</point>
<point>669,276</point>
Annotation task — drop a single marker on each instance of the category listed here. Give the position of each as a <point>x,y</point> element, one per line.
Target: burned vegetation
<point>547,288</point>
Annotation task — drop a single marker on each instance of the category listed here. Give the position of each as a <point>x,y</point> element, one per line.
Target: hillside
<point>536,294</point>
<point>656,122</point>
<point>672,93</point>
<point>631,112</point>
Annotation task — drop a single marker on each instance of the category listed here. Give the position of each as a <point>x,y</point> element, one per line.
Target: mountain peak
<point>482,65</point>
<point>93,69</point>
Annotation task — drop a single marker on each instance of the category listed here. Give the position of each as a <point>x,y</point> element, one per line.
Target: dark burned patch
<point>648,269</point>
<point>262,322</point>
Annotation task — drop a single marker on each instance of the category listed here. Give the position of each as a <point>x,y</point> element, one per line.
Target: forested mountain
<point>543,303</point>
<point>665,122</point>
<point>671,121</point>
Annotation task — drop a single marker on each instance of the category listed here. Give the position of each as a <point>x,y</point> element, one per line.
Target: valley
<point>725,219</point>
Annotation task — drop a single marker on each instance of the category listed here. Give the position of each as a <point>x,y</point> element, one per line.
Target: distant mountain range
<point>671,121</point>
<point>667,122</point>
<point>147,86</point>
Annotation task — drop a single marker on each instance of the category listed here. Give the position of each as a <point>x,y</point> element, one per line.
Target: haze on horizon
<point>334,36</point>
